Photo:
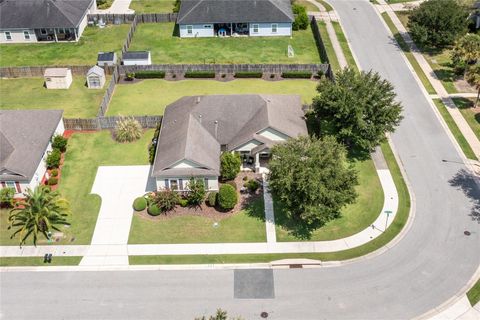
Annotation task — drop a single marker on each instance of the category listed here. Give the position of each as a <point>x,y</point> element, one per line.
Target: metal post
<point>55,34</point>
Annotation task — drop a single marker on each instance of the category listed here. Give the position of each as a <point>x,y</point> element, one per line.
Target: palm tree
<point>39,213</point>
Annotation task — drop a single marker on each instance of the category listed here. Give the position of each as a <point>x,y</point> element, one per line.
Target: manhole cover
<point>264,315</point>
<point>467,233</point>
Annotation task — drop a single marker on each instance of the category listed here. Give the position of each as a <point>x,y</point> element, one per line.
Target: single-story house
<point>25,140</point>
<point>196,129</point>
<point>95,78</point>
<point>132,58</point>
<point>58,78</point>
<point>23,21</point>
<point>106,58</point>
<point>209,18</point>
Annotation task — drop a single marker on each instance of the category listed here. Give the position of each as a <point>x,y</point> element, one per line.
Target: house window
<point>189,29</point>
<point>207,26</point>
<point>8,35</point>
<point>255,28</point>
<point>205,182</point>
<point>26,35</point>
<point>274,27</point>
<point>43,31</point>
<point>173,184</point>
<point>14,185</point>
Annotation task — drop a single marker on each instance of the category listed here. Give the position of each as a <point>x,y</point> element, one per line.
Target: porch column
<point>257,162</point>
<point>76,35</point>
<point>55,34</point>
<point>231,29</point>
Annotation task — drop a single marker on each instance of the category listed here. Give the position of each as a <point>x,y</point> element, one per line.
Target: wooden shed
<point>106,58</point>
<point>95,78</point>
<point>58,78</point>
<point>132,58</point>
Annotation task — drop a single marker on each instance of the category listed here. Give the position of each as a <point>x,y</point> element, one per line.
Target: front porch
<point>255,163</point>
<point>231,29</point>
<point>56,34</point>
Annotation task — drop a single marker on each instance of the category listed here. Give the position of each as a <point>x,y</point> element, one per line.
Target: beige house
<point>95,78</point>
<point>58,78</point>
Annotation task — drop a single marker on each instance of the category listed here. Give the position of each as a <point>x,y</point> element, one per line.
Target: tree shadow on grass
<point>465,181</point>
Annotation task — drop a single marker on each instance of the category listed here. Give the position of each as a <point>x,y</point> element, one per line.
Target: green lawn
<point>397,225</point>
<point>241,227</point>
<point>38,261</point>
<point>85,153</point>
<point>355,217</point>
<point>153,95</point>
<point>308,5</point>
<point>84,52</point>
<point>408,53</point>
<point>467,150</point>
<point>152,6</point>
<point>77,101</point>
<point>474,294</point>
<point>344,44</point>
<point>327,42</point>
<point>165,48</point>
<point>470,114</point>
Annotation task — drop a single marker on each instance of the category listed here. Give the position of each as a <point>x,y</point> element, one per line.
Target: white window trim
<point>276,27</point>
<point>189,29</point>
<point>8,35</point>
<point>26,35</point>
<point>255,26</point>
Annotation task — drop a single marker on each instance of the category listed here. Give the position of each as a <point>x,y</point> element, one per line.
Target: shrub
<point>301,17</point>
<point>153,210</point>
<point>152,148</point>
<point>182,202</point>
<point>53,159</point>
<point>60,143</point>
<point>248,74</point>
<point>130,76</point>
<point>232,183</point>
<point>212,198</point>
<point>227,197</point>
<point>196,192</point>
<point>199,74</point>
<point>52,181</point>
<point>54,173</point>
<point>166,200</point>
<point>127,130</point>
<point>229,165</point>
<point>150,74</point>
<point>139,204</point>
<point>297,74</point>
<point>252,185</point>
<point>6,197</point>
<point>176,6</point>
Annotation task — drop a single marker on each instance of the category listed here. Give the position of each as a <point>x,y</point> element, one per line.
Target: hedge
<point>199,74</point>
<point>153,210</point>
<point>139,204</point>
<point>248,74</point>
<point>54,172</point>
<point>53,159</point>
<point>227,197</point>
<point>150,74</point>
<point>212,198</point>
<point>297,74</point>
<point>52,181</point>
<point>183,202</point>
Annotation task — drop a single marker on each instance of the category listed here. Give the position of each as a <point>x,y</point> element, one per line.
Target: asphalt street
<point>431,263</point>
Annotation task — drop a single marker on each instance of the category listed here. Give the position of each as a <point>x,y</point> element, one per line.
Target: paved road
<point>427,267</point>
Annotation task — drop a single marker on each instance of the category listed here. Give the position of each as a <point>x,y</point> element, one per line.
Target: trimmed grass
<point>308,5</point>
<point>472,115</point>
<point>326,5</point>
<point>153,95</point>
<point>85,153</point>
<point>406,49</point>
<point>344,44</point>
<point>152,6</point>
<point>467,150</point>
<point>355,217</point>
<point>38,261</point>
<point>474,294</point>
<point>83,52</point>
<point>169,49</point>
<point>30,93</point>
<point>327,42</point>
<point>241,227</point>
<point>392,231</point>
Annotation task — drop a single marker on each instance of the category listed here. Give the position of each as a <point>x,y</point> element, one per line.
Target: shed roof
<point>96,70</point>
<point>24,137</point>
<point>106,56</point>
<point>234,11</point>
<point>42,13</point>
<point>136,55</point>
<point>56,72</point>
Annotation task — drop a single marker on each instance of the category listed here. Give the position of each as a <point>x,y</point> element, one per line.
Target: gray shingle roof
<point>96,70</point>
<point>106,56</point>
<point>42,13</point>
<point>136,55</point>
<point>24,137</point>
<point>195,127</point>
<point>234,11</point>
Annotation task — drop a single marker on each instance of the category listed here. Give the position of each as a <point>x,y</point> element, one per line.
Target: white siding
<point>185,164</point>
<point>82,26</point>
<point>198,30</point>
<point>248,146</point>
<point>212,182</point>
<point>273,135</point>
<point>17,36</point>
<point>265,29</point>
<point>140,62</point>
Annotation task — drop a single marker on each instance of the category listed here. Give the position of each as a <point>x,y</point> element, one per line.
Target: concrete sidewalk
<point>117,7</point>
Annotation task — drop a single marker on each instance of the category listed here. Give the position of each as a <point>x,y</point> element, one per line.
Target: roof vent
<point>216,129</point>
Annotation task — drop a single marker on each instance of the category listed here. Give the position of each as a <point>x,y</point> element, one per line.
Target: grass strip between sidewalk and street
<point>327,42</point>
<point>473,294</point>
<point>38,261</point>
<point>344,45</point>
<point>467,150</point>
<point>394,229</point>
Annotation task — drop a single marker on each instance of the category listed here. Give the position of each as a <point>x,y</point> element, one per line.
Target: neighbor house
<point>208,18</point>
<point>23,21</point>
<point>25,140</point>
<point>196,129</point>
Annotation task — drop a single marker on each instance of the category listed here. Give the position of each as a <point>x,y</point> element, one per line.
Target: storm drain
<point>253,284</point>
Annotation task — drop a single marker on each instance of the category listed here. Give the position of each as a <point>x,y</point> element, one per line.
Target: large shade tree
<point>358,109</point>
<point>466,52</point>
<point>39,213</point>
<point>312,179</point>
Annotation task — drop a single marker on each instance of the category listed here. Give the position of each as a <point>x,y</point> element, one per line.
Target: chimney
<point>216,129</point>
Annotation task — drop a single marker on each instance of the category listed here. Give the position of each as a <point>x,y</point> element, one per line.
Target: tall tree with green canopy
<point>466,52</point>
<point>358,109</point>
<point>38,214</point>
<point>312,179</point>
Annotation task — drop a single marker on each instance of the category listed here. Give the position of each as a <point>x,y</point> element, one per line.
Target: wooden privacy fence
<point>109,93</point>
<point>130,34</point>
<point>320,46</point>
<point>38,71</point>
<point>101,123</point>
<point>128,18</point>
